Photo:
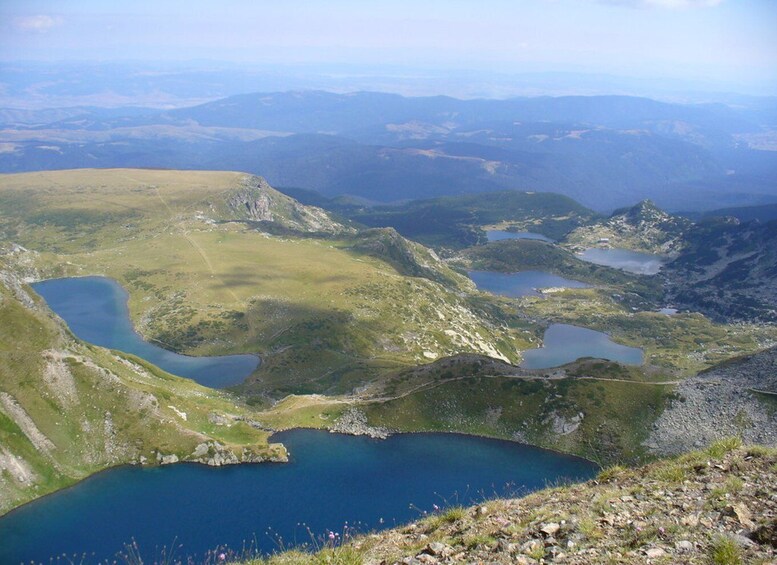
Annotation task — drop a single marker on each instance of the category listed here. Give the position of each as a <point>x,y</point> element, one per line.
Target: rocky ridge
<point>643,227</point>
<point>255,200</point>
<point>727,271</point>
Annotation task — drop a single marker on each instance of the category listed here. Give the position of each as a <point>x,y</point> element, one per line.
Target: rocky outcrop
<point>643,227</point>
<point>354,422</point>
<point>215,454</point>
<point>407,257</point>
<point>257,201</point>
<point>724,401</point>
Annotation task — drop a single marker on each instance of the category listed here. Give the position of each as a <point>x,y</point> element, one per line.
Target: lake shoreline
<point>159,465</point>
<point>328,473</point>
<point>121,299</point>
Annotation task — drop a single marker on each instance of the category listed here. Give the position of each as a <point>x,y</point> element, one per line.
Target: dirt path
<point>197,247</point>
<point>431,385</point>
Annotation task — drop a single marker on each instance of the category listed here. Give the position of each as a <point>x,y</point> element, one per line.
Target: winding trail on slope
<point>431,384</point>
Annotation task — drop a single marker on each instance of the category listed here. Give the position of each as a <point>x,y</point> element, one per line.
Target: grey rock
<point>354,422</point>
<point>684,546</point>
<point>655,552</point>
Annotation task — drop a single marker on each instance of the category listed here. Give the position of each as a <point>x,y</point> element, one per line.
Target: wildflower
<point>436,508</point>
<point>331,536</point>
<point>222,556</point>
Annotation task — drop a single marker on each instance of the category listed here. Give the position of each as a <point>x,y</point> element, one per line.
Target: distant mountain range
<point>604,151</point>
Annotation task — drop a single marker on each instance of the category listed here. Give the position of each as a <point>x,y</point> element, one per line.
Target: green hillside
<point>68,409</point>
<point>459,221</point>
<point>344,320</point>
<point>326,311</point>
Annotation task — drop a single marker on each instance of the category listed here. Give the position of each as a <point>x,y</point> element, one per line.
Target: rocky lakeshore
<point>354,422</point>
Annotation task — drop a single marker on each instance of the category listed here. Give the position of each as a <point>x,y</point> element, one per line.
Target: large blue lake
<point>95,309</point>
<point>498,235</point>
<point>331,479</point>
<point>525,283</point>
<point>563,343</point>
<point>624,259</point>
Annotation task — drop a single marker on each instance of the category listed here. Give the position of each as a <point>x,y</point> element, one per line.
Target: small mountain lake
<point>524,283</point>
<point>563,343</point>
<point>498,235</point>
<point>331,479</point>
<point>95,309</point>
<point>624,259</point>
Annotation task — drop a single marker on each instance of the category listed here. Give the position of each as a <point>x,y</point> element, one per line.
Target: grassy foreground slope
<point>713,507</point>
<point>68,409</point>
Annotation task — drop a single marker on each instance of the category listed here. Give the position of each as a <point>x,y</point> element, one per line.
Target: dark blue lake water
<point>524,283</point>
<point>563,343</point>
<point>331,479</point>
<point>95,309</point>
<point>497,235</point>
<point>630,261</point>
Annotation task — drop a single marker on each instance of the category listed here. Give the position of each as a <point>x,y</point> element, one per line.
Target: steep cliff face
<point>68,409</point>
<point>257,201</point>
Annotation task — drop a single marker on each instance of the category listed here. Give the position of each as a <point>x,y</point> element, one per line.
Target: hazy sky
<point>731,40</point>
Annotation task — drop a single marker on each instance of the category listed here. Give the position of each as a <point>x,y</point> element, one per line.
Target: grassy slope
<point>93,408</point>
<point>326,314</point>
<point>330,314</point>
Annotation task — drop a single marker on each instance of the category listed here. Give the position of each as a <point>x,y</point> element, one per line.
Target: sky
<point>721,40</point>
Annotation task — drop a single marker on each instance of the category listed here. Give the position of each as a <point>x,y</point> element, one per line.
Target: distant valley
<point>603,151</point>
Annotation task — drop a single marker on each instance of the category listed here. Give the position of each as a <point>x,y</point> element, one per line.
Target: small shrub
<point>725,551</point>
<point>447,516</point>
<point>343,555</point>
<point>671,473</point>
<point>610,473</point>
<point>723,446</point>
<point>734,484</point>
<point>479,539</point>
<point>452,514</point>
<point>637,537</point>
<point>758,451</point>
<point>538,552</point>
<point>590,529</point>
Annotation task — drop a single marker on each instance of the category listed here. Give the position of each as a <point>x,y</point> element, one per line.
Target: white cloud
<point>671,4</point>
<point>40,23</point>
